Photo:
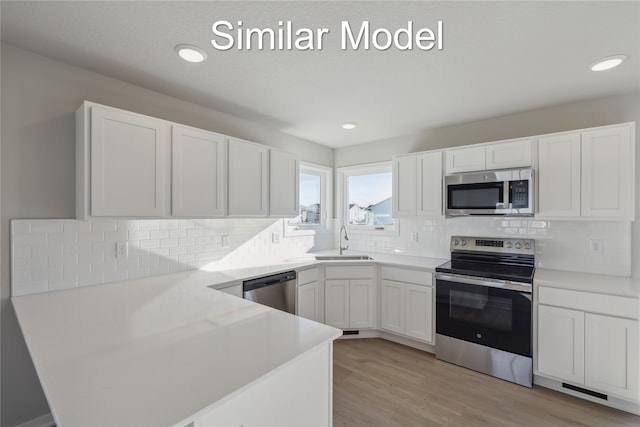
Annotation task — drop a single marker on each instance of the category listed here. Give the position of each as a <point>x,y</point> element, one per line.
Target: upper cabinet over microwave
<point>495,155</point>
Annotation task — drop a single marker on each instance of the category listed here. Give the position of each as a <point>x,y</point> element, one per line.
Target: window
<point>315,183</point>
<point>366,196</point>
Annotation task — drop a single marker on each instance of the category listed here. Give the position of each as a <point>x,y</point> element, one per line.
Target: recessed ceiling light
<point>607,63</point>
<point>191,53</point>
<point>348,126</point>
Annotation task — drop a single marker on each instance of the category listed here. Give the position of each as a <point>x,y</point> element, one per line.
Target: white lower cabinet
<point>561,343</point>
<point>310,295</point>
<point>611,354</point>
<point>350,297</point>
<point>598,351</point>
<point>406,305</point>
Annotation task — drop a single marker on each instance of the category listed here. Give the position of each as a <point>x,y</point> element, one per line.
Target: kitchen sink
<point>343,257</point>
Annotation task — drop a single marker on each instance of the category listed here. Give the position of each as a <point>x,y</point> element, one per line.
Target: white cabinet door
<point>404,186</point>
<point>611,355</point>
<point>128,164</point>
<point>429,182</point>
<point>512,154</point>
<point>466,159</point>
<point>198,172</point>
<point>337,303</point>
<point>362,303</point>
<point>561,343</point>
<point>392,306</point>
<point>248,179</point>
<point>559,175</point>
<point>606,172</point>
<point>309,302</point>
<point>419,312</point>
<point>284,175</point>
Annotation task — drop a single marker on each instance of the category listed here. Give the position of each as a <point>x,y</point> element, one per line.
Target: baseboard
<point>613,402</point>
<point>43,421</point>
<point>376,333</point>
<point>408,342</point>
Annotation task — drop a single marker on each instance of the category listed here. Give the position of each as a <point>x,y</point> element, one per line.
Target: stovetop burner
<point>492,258</point>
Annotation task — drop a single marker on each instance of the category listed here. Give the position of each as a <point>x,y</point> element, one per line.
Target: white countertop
<point>588,282</point>
<point>155,351</point>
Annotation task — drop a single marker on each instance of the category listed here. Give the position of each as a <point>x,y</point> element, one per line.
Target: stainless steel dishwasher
<point>277,291</point>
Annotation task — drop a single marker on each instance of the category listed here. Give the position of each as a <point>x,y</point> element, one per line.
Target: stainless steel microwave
<point>500,192</point>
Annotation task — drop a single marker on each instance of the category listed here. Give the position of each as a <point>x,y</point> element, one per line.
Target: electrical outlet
<point>595,245</point>
<point>225,242</point>
<point>122,249</point>
<point>275,237</point>
<point>414,236</point>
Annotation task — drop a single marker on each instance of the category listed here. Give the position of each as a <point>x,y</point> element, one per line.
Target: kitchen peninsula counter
<point>164,350</point>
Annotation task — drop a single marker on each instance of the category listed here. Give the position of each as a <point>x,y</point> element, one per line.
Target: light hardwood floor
<point>381,383</point>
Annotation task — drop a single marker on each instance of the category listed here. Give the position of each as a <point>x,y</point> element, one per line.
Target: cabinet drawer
<point>595,303</point>
<point>417,277</point>
<point>349,272</point>
<point>308,276</point>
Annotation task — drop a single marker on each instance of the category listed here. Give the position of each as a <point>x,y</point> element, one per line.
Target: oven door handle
<point>493,283</point>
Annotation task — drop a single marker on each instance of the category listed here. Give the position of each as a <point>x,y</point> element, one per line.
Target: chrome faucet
<point>346,237</point>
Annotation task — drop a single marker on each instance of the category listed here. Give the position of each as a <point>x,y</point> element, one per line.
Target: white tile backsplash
<point>560,245</point>
<point>60,254</point>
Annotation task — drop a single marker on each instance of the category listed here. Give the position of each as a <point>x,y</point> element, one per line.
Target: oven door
<point>496,317</point>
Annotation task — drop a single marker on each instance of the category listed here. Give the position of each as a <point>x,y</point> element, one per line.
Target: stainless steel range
<point>484,305</point>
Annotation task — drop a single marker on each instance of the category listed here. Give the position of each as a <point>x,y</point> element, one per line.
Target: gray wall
<point>39,98</point>
<point>579,115</point>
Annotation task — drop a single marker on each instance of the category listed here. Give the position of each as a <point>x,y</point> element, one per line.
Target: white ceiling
<point>498,58</point>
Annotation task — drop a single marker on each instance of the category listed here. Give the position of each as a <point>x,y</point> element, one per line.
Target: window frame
<point>326,206</point>
<point>343,174</point>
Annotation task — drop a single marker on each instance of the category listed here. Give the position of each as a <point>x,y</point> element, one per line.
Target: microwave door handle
<point>505,193</point>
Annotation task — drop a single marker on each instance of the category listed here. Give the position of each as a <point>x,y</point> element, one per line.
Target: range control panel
<point>495,245</point>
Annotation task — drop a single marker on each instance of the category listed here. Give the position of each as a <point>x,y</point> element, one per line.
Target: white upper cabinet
<point>198,175</point>
<point>284,172</point>
<point>417,184</point>
<point>248,170</point>
<point>133,166</point>
<point>122,164</point>
<point>495,155</point>
<point>513,154</point>
<point>429,184</point>
<point>587,173</point>
<point>607,161</point>
<point>559,175</point>
<point>472,158</point>
<point>404,186</point>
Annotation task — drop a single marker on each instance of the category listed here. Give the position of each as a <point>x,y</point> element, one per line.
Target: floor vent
<point>585,391</point>
<point>350,332</point>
